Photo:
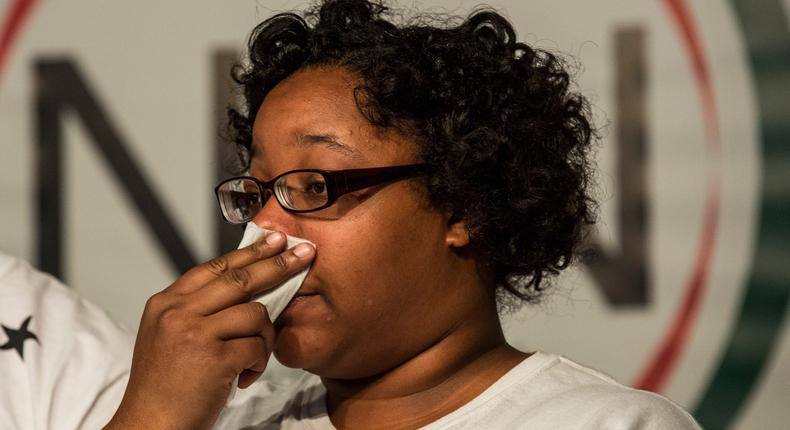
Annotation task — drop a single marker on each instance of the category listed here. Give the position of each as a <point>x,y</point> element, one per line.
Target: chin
<point>298,350</point>
<point>316,352</point>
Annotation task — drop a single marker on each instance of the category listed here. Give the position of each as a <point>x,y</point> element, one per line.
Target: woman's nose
<point>272,216</point>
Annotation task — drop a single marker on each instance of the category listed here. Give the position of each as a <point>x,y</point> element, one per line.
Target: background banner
<point>111,124</point>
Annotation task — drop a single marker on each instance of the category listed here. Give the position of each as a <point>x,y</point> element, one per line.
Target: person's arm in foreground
<point>200,333</point>
<point>64,362</point>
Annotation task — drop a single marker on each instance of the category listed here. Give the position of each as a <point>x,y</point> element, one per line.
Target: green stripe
<point>767,295</point>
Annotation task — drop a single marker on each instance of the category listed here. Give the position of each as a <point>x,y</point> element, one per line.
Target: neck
<point>440,379</point>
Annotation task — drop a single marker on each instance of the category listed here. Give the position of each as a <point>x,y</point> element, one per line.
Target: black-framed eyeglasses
<point>299,191</point>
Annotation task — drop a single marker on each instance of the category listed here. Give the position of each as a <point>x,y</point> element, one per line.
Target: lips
<point>298,299</point>
<point>305,293</point>
<point>304,304</point>
<point>308,288</point>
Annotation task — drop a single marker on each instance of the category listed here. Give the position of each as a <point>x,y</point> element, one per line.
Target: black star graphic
<point>17,338</point>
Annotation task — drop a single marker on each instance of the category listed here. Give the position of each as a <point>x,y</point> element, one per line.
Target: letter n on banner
<point>226,236</point>
<point>623,275</point>
<point>60,87</point>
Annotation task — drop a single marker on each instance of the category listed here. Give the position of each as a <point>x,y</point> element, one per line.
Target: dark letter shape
<point>60,86</point>
<point>226,236</point>
<point>623,277</point>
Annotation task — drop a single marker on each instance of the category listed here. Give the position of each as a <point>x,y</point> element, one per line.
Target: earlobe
<point>457,234</point>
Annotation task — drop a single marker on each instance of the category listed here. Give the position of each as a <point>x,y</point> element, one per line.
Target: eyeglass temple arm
<point>357,179</point>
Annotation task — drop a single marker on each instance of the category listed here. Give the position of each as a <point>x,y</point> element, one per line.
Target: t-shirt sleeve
<point>64,362</point>
<point>640,410</point>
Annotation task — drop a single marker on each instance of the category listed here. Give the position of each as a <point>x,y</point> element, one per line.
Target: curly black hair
<point>507,141</point>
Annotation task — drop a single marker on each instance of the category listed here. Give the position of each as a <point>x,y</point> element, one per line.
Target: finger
<point>247,353</point>
<point>202,274</point>
<point>242,320</point>
<point>241,284</point>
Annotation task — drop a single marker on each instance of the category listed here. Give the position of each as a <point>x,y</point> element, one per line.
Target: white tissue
<point>275,299</point>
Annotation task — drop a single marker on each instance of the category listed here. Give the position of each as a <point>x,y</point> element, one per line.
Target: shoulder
<point>57,312</point>
<point>57,349</point>
<point>548,391</point>
<point>602,402</point>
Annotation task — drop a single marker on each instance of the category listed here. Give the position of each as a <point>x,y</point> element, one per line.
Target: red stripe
<point>17,12</point>
<point>663,363</point>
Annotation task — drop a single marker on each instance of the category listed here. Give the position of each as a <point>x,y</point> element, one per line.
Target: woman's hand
<point>201,332</point>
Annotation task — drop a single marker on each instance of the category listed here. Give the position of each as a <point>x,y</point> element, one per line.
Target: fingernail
<point>274,238</point>
<point>303,250</point>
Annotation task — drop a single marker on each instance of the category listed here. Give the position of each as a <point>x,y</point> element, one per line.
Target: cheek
<point>364,244</point>
<point>370,265</point>
<point>354,262</point>
<point>378,274</point>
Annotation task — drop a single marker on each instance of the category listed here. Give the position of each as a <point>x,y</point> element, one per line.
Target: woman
<point>481,197</point>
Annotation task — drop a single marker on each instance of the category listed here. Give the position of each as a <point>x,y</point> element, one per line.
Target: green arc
<point>767,293</point>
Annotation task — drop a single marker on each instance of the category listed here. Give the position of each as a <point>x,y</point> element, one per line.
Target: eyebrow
<point>331,141</point>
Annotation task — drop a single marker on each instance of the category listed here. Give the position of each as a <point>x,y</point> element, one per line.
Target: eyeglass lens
<point>302,190</point>
<point>240,199</point>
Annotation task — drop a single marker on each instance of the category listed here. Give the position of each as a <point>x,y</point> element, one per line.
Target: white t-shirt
<point>545,391</point>
<point>64,363</point>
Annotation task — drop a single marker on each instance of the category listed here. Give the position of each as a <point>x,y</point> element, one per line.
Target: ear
<point>457,233</point>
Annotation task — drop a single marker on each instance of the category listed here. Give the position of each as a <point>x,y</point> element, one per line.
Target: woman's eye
<point>316,188</point>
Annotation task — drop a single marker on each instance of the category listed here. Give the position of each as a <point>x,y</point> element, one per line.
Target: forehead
<point>326,89</point>
<point>320,102</point>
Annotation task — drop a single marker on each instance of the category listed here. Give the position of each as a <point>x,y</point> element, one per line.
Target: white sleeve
<point>64,362</point>
<point>640,410</point>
